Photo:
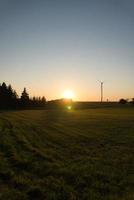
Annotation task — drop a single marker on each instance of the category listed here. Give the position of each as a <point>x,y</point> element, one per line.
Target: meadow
<point>67,155</point>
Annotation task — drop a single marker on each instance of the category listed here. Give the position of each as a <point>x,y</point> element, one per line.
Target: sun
<point>68,94</point>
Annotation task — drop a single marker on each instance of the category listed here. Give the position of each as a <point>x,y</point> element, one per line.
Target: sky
<point>49,46</point>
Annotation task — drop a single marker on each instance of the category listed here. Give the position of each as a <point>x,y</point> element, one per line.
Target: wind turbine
<point>101,90</point>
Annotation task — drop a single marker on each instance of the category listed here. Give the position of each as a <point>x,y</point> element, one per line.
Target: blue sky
<point>49,46</point>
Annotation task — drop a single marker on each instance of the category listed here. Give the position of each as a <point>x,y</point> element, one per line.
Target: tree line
<point>9,99</point>
<point>126,101</point>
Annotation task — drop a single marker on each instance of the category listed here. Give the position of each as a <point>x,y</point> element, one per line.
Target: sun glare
<point>68,94</point>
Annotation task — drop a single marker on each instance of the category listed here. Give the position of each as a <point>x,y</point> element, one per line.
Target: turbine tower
<point>101,91</point>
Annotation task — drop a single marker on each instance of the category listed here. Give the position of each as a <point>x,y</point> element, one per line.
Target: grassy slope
<point>72,155</point>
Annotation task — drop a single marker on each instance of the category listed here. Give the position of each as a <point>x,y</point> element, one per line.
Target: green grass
<point>74,155</point>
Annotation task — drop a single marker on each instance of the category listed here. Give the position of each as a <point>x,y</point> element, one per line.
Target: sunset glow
<point>50,46</point>
<point>68,94</point>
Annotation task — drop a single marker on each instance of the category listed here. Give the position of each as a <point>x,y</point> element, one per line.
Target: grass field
<point>73,155</point>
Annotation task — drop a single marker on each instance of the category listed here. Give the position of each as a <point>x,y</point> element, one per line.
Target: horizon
<point>64,96</point>
<point>49,47</point>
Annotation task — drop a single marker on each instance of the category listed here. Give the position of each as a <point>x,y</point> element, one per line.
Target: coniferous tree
<point>15,99</point>
<point>43,101</point>
<point>25,95</point>
<point>15,95</point>
<point>10,96</point>
<point>4,90</point>
<point>24,98</point>
<point>10,99</point>
<point>4,95</point>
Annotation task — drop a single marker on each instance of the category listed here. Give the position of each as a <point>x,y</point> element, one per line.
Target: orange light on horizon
<point>68,94</point>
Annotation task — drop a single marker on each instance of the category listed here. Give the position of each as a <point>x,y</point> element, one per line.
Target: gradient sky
<point>51,45</point>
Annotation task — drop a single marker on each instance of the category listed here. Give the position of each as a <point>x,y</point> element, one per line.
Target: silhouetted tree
<point>10,96</point>
<point>132,101</point>
<point>15,99</point>
<point>122,101</point>
<point>15,95</point>
<point>24,98</point>
<point>4,95</point>
<point>43,100</point>
<point>10,99</point>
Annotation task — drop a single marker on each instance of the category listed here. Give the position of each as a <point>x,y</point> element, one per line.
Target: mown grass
<point>75,155</point>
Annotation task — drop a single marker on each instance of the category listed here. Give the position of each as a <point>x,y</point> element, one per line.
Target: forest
<point>9,99</point>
